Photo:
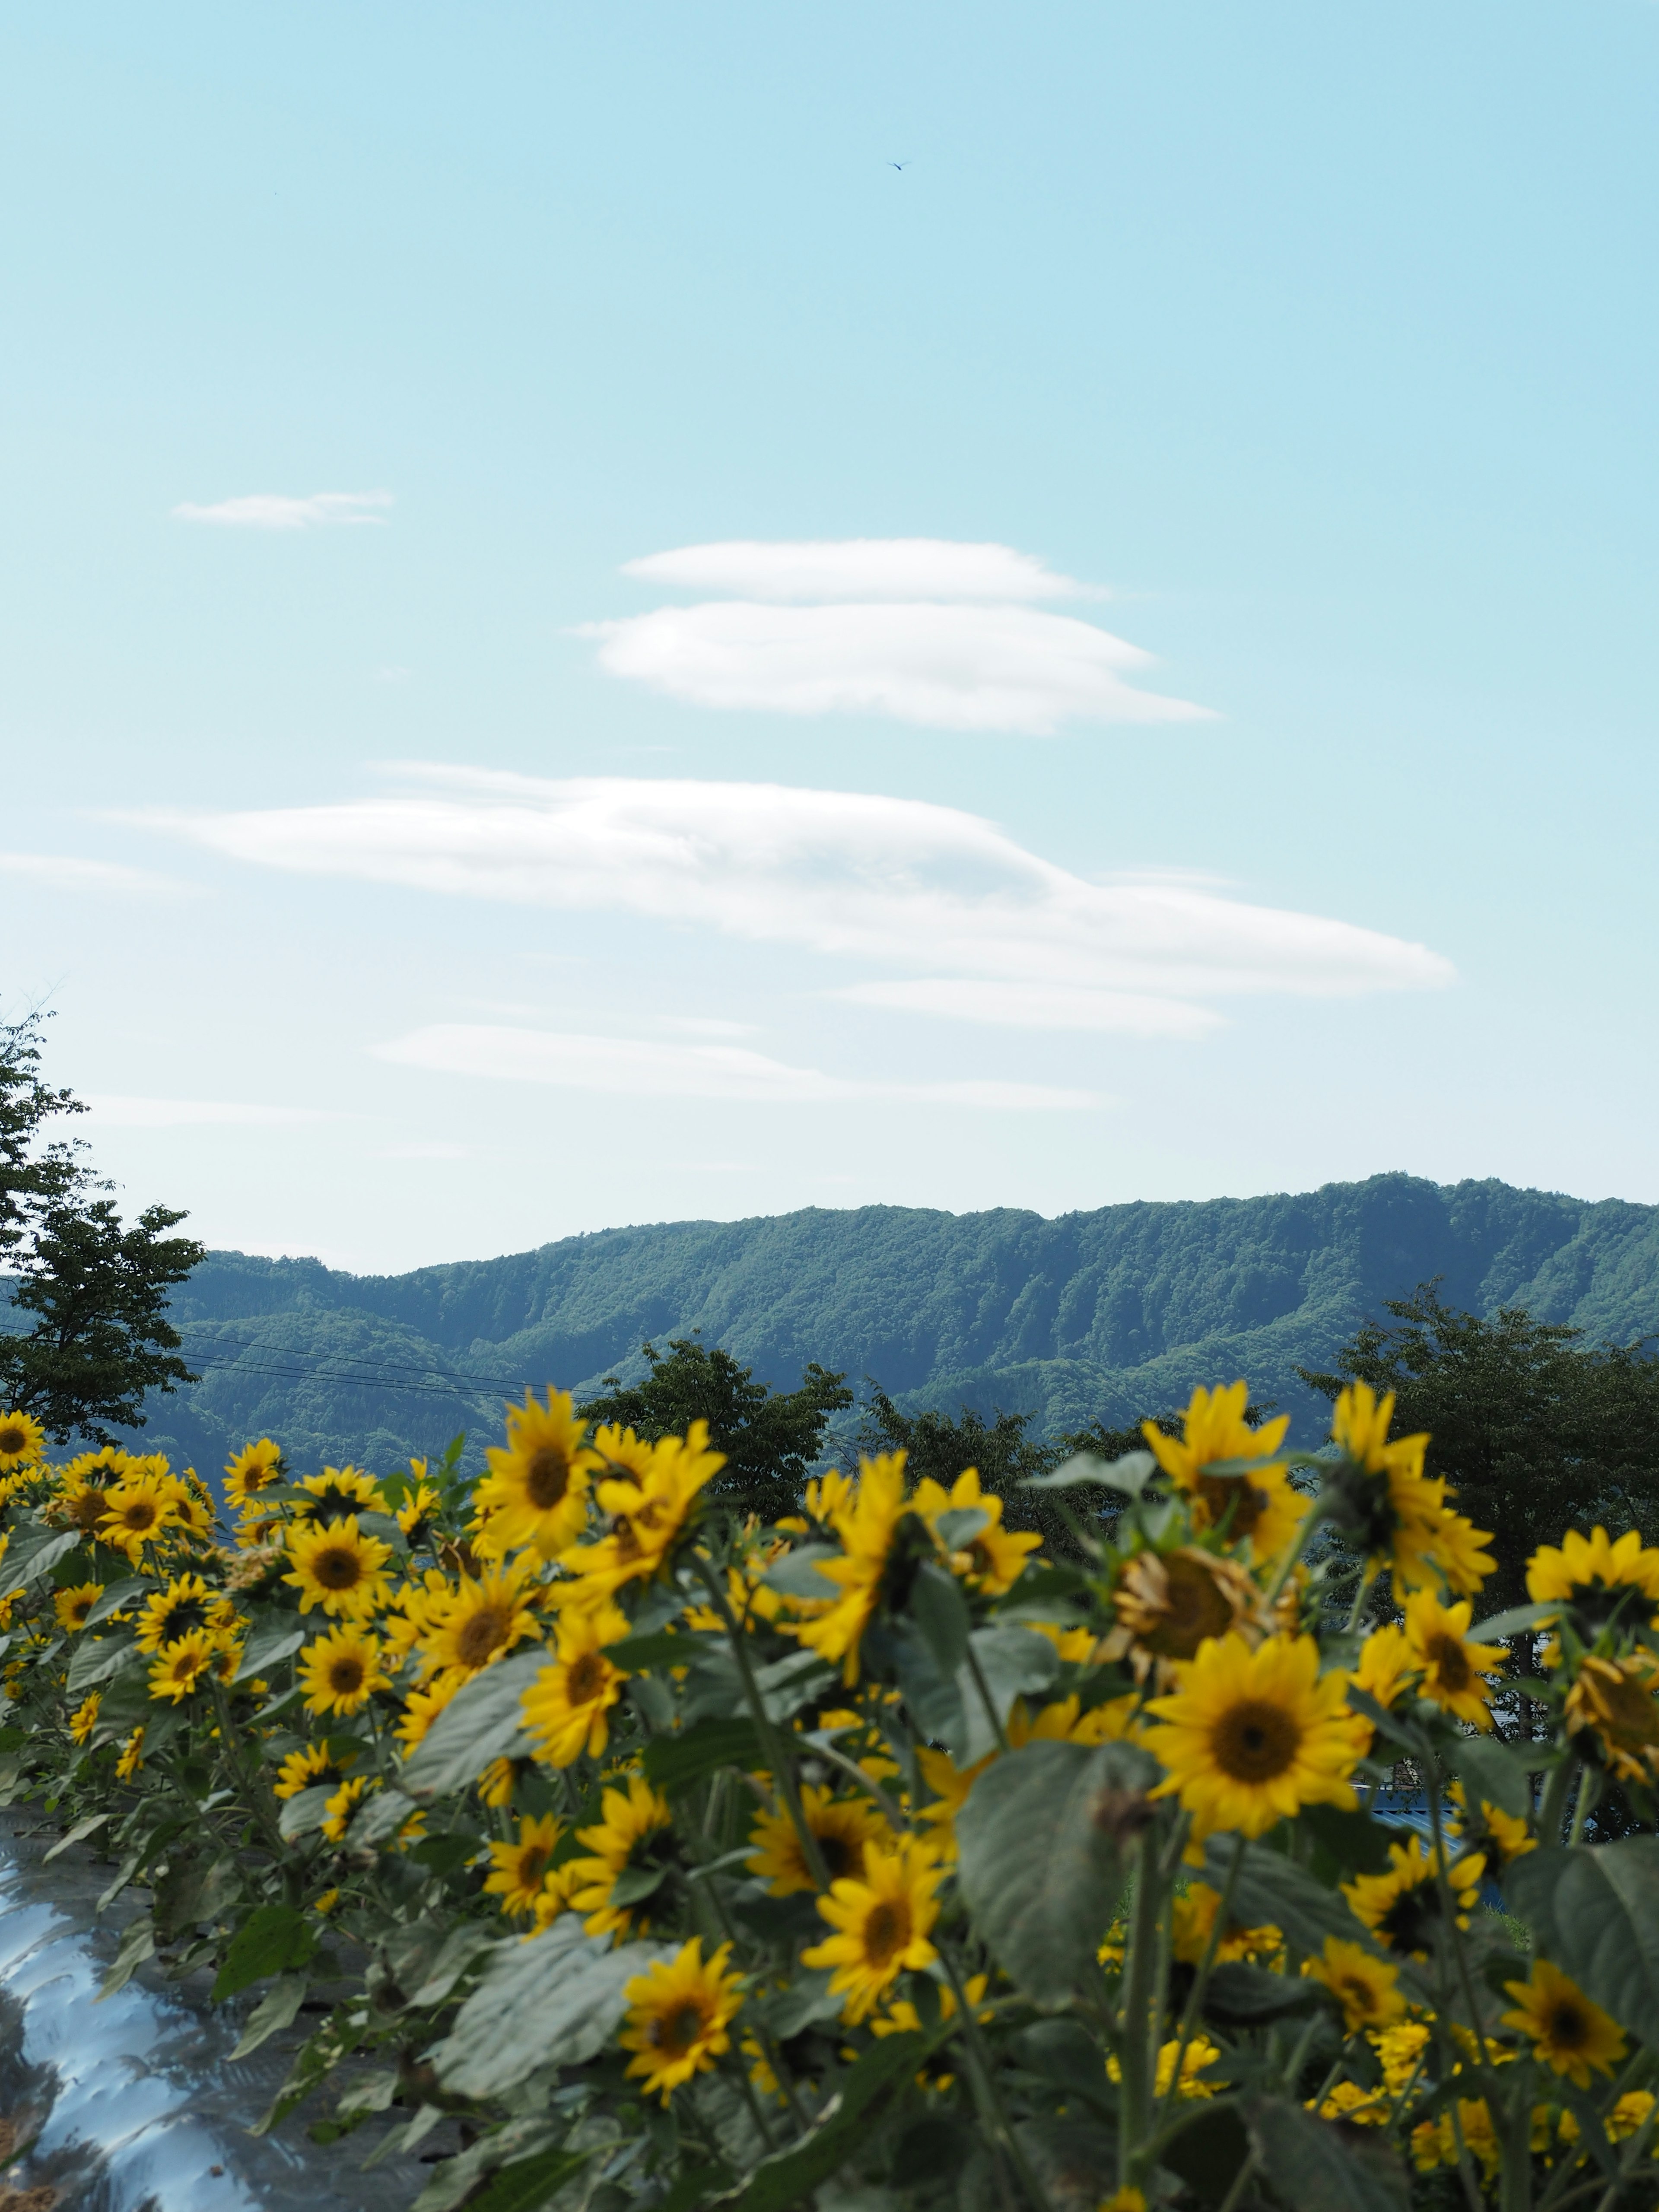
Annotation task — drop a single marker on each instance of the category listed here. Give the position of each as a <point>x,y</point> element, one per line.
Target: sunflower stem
<point>1553,1812</point>
<point>777,1758</point>
<point>985,1697</point>
<point>1581,1808</point>
<point>979,2066</point>
<point>896,1820</point>
<point>1200,1980</point>
<point>1139,2060</point>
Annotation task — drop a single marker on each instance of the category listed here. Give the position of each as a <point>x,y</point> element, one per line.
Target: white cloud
<point>127,1113</point>
<point>860,568</point>
<point>1036,1006</point>
<point>887,883</point>
<point>642,1069</point>
<point>924,629</point>
<point>272,510</point>
<point>69,872</point>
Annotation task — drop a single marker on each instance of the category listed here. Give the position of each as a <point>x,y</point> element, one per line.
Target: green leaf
<point>554,2000</point>
<point>1129,1475</point>
<point>804,1999</point>
<point>1274,1892</point>
<point>277,1939</point>
<point>273,1640</point>
<point>300,1815</point>
<point>796,1575</point>
<point>1011,1662</point>
<point>1243,1995</point>
<point>956,1528</point>
<point>1042,1840</point>
<point>1208,2150</point>
<point>528,2138</point>
<point>938,1607</point>
<point>481,1723</point>
<point>115,1596</point>
<point>99,1660</point>
<point>87,1827</point>
<point>137,1944</point>
<point>672,1762</point>
<point>35,1552</point>
<point>1594,1911</point>
<point>1492,1771</point>
<point>788,1684</point>
<point>278,2009</point>
<point>1353,1842</point>
<point>1511,1622</point>
<point>1063,2052</point>
<point>380,1820</point>
<point>635,1884</point>
<point>458,1951</point>
<point>638,1655</point>
<point>783,2179</point>
<point>530,2182</point>
<point>1310,2163</point>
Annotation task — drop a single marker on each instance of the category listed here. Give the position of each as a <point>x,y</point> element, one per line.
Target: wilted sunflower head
<point>1169,1603</point>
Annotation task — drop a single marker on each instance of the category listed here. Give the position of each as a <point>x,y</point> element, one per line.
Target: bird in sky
<point>898,164</point>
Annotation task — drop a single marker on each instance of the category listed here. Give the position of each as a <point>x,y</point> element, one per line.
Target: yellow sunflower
<point>1193,1917</point>
<point>182,1664</point>
<point>679,2012</point>
<point>308,1768</point>
<point>132,1756</point>
<point>72,1606</point>
<point>135,1512</point>
<point>1260,1505</point>
<point>842,1826</point>
<point>1616,1700</point>
<point>1599,1585</point>
<point>337,1814</point>
<point>416,1514</point>
<point>339,1568</point>
<point>87,1482</point>
<point>877,1530</point>
<point>1455,1552</point>
<point>484,1619</point>
<point>636,1836</point>
<point>22,1440</point>
<point>340,1672</point>
<point>256,1467</point>
<point>1367,1987</point>
<point>994,1560</point>
<point>1403,1908</point>
<point>1388,1507</point>
<point>1567,2032</point>
<point>520,1869</point>
<point>184,1603</point>
<point>1250,1736</point>
<point>566,1708</point>
<point>1169,1603</point>
<point>1499,1837</point>
<point>1437,1637</point>
<point>1200,2054</point>
<point>536,1490</point>
<point>647,1510</point>
<point>881,1917</point>
<point>338,1493</point>
<point>84,1718</point>
<point>423,1706</point>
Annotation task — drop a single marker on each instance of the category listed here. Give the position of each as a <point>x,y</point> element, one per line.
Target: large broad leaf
<point>1275,1892</point>
<point>275,1940</point>
<point>530,2182</point>
<point>116,1596</point>
<point>788,2176</point>
<point>381,1820</point>
<point>1041,1841</point>
<point>1494,1771</point>
<point>33,1553</point>
<point>481,1722</point>
<point>99,1660</point>
<point>278,2009</point>
<point>276,1637</point>
<point>1595,1913</point>
<point>554,2000</point>
<point>1129,1475</point>
<point>672,1762</point>
<point>527,2139</point>
<point>1307,2163</point>
<point>308,1810</point>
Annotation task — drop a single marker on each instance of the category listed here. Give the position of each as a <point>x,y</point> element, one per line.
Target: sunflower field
<point>641,1857</point>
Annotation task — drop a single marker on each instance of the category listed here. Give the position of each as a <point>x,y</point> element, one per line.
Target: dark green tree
<point>1538,1430</point>
<point>96,1289</point>
<point>944,1445</point>
<point>771,1438</point>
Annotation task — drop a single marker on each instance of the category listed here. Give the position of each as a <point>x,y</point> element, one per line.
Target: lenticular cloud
<point>922,630</point>
<point>982,928</point>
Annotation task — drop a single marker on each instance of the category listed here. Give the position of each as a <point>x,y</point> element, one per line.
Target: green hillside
<point>1115,1312</point>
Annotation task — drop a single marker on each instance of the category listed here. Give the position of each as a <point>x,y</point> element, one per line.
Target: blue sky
<point>421,867</point>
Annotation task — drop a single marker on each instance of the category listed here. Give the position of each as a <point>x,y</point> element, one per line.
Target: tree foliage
<point>1535,1427</point>
<point>97,1289</point>
<point>771,1438</point>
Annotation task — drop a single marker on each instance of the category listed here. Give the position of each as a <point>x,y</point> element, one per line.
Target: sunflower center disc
<point>1256,1742</point>
<point>886,1932</point>
<point>548,1478</point>
<point>337,1570</point>
<point>483,1634</point>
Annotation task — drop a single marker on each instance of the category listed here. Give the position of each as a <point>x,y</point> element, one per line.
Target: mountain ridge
<point>1113,1311</point>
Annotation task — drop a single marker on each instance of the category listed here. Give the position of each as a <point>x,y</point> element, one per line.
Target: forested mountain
<point>1113,1313</point>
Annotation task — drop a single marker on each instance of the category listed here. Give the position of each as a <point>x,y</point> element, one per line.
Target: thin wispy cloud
<point>270,510</point>
<point>860,568</point>
<point>72,872</point>
<point>1036,1006</point>
<point>944,896</point>
<point>120,1112</point>
<point>648,1068</point>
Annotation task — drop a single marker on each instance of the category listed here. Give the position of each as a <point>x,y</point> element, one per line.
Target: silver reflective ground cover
<point>133,2104</point>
